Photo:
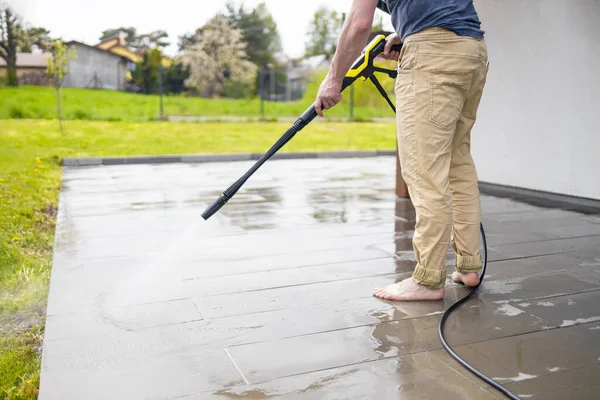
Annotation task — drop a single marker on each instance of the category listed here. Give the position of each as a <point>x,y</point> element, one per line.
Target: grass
<point>30,174</point>
<point>32,102</point>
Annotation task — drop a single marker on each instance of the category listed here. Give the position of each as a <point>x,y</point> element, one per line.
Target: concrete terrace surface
<point>272,296</point>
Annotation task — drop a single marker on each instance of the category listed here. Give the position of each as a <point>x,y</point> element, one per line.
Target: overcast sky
<point>84,20</point>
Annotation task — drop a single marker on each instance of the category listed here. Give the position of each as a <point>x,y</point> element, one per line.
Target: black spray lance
<point>363,67</point>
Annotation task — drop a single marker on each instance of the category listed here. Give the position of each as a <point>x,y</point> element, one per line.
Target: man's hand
<point>391,40</point>
<point>329,94</point>
<point>353,38</point>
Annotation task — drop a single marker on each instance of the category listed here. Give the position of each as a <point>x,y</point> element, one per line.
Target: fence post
<point>160,88</point>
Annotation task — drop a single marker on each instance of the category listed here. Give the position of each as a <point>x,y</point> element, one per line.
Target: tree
<point>218,55</point>
<point>57,69</point>
<point>129,34</point>
<point>323,32</point>
<point>174,77</point>
<point>34,36</point>
<point>154,39</point>
<point>259,31</point>
<point>146,71</point>
<point>9,29</point>
<point>188,40</point>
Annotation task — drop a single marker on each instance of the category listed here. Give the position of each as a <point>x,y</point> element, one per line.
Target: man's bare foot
<point>470,279</point>
<point>408,290</point>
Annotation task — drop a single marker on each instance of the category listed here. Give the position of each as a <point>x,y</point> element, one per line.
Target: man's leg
<point>464,187</point>
<point>429,105</point>
<point>433,86</point>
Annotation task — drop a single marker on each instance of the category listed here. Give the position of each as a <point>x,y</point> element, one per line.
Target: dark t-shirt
<point>412,16</point>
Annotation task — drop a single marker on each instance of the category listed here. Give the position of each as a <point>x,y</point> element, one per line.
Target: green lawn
<point>30,174</point>
<point>89,104</point>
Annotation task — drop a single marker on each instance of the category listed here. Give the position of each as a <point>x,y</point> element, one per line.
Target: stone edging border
<point>206,158</point>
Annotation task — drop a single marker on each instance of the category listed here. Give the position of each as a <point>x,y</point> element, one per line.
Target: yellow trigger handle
<point>366,57</point>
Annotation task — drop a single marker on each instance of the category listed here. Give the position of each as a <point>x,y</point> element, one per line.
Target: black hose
<point>453,307</point>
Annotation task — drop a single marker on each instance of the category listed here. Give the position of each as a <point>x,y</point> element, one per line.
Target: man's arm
<point>351,42</point>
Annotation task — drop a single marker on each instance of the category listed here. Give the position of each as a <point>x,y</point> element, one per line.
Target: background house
<point>117,45</point>
<point>96,68</point>
<point>31,68</point>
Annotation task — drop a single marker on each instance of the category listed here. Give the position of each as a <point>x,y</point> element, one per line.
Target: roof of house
<point>115,39</point>
<point>75,42</point>
<point>29,60</point>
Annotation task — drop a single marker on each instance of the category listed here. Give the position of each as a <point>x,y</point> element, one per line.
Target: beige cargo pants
<point>438,89</point>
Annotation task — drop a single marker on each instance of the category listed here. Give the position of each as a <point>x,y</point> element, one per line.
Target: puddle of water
<point>501,287</point>
<point>568,322</point>
<point>508,310</point>
<point>518,378</point>
<point>545,303</point>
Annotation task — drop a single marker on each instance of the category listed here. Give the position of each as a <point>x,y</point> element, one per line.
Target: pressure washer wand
<point>296,127</point>
<point>363,67</point>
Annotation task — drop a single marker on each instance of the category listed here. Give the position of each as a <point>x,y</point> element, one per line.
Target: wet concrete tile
<point>140,222</point>
<point>480,318</point>
<point>578,383</point>
<point>274,359</point>
<point>443,356</point>
<point>151,287</point>
<point>533,223</point>
<point>393,335</point>
<point>185,397</point>
<point>510,251</point>
<point>566,310</point>
<point>499,213</point>
<point>247,282</point>
<point>128,235</point>
<point>537,286</point>
<point>288,297</point>
<point>307,319</point>
<point>238,268</point>
<point>532,355</point>
<point>589,269</point>
<point>580,393</point>
<point>513,237</point>
<point>496,205</point>
<point>571,262</point>
<point>184,245</point>
<point>129,318</point>
<point>151,376</point>
<point>415,376</point>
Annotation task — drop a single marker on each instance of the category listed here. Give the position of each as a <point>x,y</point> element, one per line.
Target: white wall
<point>109,69</point>
<point>539,121</point>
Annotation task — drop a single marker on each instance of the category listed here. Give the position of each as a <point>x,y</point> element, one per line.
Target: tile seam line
<point>373,325</point>
<point>301,284</point>
<point>411,318</point>
<point>338,263</point>
<point>476,382</point>
<point>368,297</point>
<point>427,351</point>
<point>236,366</point>
<point>522,334</point>
<point>554,373</point>
<point>295,252</point>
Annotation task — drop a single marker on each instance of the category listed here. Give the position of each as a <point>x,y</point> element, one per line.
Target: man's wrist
<point>335,73</point>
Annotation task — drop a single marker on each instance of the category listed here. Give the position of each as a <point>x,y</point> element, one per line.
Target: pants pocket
<point>448,90</point>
